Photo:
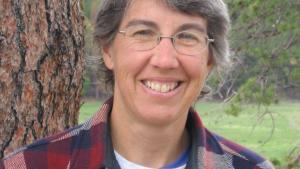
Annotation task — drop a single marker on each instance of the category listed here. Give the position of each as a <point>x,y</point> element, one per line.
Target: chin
<point>159,115</point>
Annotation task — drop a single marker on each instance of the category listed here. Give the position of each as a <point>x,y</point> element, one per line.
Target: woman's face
<point>156,86</point>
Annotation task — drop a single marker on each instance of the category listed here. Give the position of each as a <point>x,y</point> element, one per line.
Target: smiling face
<point>155,86</point>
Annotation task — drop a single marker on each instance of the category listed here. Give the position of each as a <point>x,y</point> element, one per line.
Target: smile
<point>162,87</point>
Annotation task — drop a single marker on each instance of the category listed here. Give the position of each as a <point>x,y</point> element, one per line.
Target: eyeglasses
<point>189,42</point>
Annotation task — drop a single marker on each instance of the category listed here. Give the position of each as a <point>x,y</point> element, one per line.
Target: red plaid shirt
<point>88,146</point>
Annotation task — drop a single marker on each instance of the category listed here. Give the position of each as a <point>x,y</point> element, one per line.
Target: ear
<point>107,57</point>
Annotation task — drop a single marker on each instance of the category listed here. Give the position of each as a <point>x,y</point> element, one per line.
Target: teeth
<point>161,87</point>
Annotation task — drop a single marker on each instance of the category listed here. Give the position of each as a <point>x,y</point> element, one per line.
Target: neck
<point>148,145</point>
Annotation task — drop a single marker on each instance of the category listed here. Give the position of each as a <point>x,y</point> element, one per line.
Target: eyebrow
<point>141,22</point>
<point>195,26</point>
<point>152,24</point>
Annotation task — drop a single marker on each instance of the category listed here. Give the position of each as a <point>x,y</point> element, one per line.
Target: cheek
<point>197,66</point>
<point>128,64</point>
<point>197,69</point>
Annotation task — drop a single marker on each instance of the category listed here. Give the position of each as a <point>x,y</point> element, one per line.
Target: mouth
<point>161,87</point>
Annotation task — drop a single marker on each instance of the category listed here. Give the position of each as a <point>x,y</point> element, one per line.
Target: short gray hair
<point>111,13</point>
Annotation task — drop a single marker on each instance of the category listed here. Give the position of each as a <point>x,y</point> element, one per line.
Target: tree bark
<point>41,69</point>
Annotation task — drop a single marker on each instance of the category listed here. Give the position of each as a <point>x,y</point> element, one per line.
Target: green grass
<point>248,128</point>
<point>88,109</point>
<point>252,131</point>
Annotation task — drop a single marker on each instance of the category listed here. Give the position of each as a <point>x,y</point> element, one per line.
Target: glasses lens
<point>190,43</point>
<point>142,37</point>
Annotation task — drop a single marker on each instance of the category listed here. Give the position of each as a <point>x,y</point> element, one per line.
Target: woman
<point>156,55</point>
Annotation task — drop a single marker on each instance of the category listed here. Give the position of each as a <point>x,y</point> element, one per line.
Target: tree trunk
<point>41,69</point>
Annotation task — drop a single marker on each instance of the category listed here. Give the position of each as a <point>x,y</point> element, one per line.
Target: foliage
<point>265,40</point>
<point>91,51</point>
<point>86,86</point>
<point>90,10</point>
<point>265,47</point>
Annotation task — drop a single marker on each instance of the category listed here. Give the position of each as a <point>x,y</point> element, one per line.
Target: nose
<point>165,55</point>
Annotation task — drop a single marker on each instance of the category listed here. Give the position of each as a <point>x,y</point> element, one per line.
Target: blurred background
<point>257,101</point>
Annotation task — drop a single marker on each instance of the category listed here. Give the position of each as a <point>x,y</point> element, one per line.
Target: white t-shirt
<point>125,164</point>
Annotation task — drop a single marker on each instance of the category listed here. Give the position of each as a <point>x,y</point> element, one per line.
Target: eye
<point>188,38</point>
<point>143,34</point>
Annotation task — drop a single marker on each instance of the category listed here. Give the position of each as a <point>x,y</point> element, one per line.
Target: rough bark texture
<point>41,68</point>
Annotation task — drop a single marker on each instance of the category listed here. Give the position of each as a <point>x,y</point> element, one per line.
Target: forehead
<point>158,12</point>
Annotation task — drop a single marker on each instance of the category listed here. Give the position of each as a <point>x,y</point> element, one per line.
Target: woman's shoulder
<point>240,155</point>
<point>58,150</point>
